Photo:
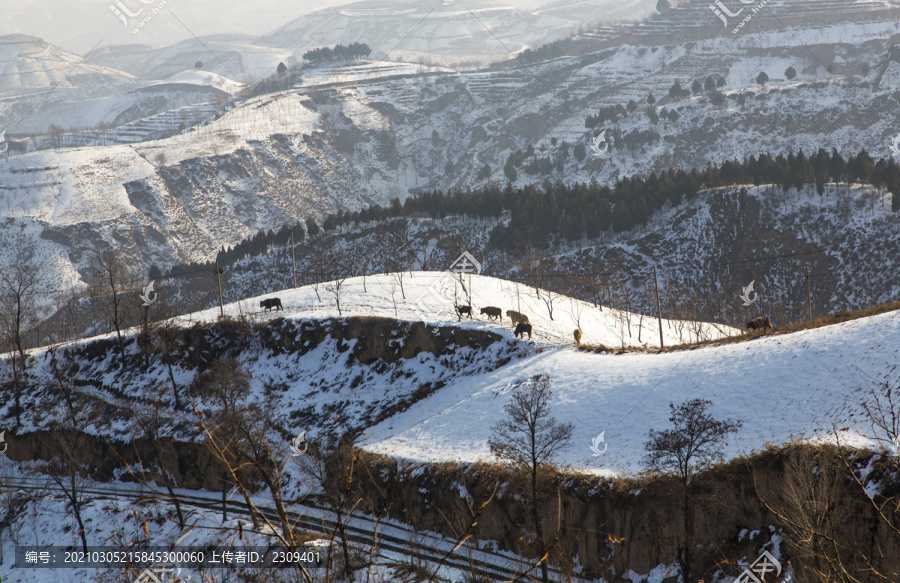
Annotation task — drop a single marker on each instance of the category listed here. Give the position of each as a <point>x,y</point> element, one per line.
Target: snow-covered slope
<point>232,56</point>
<point>800,384</point>
<point>202,79</point>
<point>432,296</point>
<point>28,63</point>
<point>474,32</point>
<point>362,133</point>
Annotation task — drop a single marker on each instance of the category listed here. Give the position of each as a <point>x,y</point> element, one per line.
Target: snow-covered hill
<point>356,134</point>
<point>202,79</point>
<point>705,252</point>
<point>799,384</point>
<point>232,56</point>
<point>447,33</point>
<point>432,296</point>
<point>28,63</point>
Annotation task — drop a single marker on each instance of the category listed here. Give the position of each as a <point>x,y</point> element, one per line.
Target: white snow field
<point>803,384</point>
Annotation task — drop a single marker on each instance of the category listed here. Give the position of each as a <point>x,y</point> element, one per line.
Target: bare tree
<point>109,274</point>
<point>56,134</point>
<point>426,260</point>
<point>150,423</point>
<point>694,442</point>
<point>396,251</point>
<point>529,438</point>
<point>813,505</point>
<point>618,322</point>
<point>392,287</point>
<point>577,310</point>
<point>167,339</point>
<point>242,437</point>
<point>881,404</point>
<point>333,469</point>
<point>318,263</point>
<point>340,262</point>
<point>18,318</point>
<point>74,414</point>
<point>68,316</point>
<point>539,274</point>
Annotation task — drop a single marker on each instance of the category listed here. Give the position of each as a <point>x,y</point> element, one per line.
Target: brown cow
<point>271,303</point>
<point>492,312</point>
<point>523,329</point>
<point>577,337</point>
<point>762,322</point>
<point>460,310</point>
<point>517,317</point>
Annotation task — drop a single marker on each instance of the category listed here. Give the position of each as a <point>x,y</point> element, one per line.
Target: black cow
<point>523,329</point>
<point>271,303</point>
<point>762,322</point>
<point>460,310</point>
<point>492,312</point>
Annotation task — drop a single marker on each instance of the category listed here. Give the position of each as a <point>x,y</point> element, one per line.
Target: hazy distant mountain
<point>360,133</point>
<point>231,56</point>
<point>28,63</point>
<point>42,85</point>
<point>467,30</point>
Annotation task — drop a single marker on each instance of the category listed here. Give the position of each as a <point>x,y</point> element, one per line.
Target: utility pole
<point>218,272</point>
<point>658,309</point>
<point>808,296</point>
<point>293,258</point>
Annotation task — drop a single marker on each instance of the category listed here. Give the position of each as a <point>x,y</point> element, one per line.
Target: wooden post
<point>219,282</point>
<point>658,309</point>
<point>293,258</point>
<point>808,296</point>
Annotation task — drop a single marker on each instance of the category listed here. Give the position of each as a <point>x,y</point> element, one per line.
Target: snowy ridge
<point>800,384</point>
<point>204,79</point>
<point>392,130</point>
<point>431,297</point>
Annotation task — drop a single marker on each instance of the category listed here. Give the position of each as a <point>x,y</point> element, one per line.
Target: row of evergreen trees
<point>554,212</point>
<point>258,244</point>
<point>545,52</point>
<point>338,53</point>
<point>573,211</point>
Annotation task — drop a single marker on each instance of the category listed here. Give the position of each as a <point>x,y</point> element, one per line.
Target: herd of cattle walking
<point>519,320</point>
